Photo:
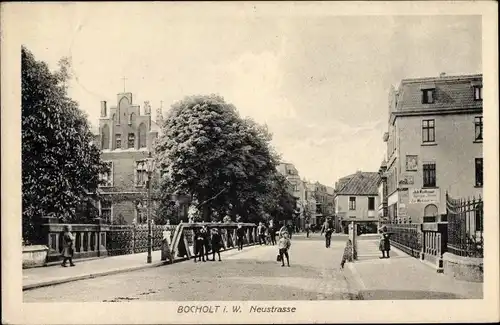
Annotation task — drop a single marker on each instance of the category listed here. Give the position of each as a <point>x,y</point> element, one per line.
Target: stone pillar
<point>50,232</point>
<point>101,237</point>
<point>424,243</point>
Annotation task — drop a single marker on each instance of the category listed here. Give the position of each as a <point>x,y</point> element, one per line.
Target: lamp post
<point>150,165</point>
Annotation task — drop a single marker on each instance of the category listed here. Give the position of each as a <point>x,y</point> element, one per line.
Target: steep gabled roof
<point>361,183</point>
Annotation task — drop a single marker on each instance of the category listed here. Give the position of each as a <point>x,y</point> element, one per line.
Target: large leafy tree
<point>279,204</point>
<point>60,163</point>
<point>223,161</point>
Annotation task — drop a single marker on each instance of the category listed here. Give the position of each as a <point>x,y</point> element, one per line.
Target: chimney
<point>104,112</point>
<point>442,74</point>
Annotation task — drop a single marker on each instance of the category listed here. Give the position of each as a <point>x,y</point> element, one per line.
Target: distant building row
<point>314,200</point>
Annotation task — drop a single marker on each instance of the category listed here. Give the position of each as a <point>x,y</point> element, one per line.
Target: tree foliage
<point>60,164</point>
<point>224,161</point>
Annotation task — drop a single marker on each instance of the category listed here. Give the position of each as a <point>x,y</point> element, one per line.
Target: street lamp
<point>150,166</point>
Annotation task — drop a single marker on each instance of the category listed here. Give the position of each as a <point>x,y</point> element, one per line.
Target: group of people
<point>267,233</point>
<point>210,241</point>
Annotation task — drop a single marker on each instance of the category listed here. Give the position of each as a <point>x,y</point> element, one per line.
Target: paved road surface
<point>252,274</point>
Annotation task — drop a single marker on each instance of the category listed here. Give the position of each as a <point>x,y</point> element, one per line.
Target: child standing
<point>284,245</point>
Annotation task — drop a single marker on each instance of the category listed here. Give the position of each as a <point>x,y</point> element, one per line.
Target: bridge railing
<point>407,237</point>
<point>182,243</point>
<point>426,241</point>
<point>99,239</point>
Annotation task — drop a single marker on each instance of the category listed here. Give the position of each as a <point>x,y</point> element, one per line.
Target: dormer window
<point>478,92</point>
<point>428,96</point>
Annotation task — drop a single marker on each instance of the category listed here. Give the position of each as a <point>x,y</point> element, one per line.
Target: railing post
<point>424,243</point>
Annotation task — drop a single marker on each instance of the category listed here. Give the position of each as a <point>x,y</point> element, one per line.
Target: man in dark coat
<point>199,245</point>
<point>328,230</point>
<point>216,243</point>
<point>240,234</point>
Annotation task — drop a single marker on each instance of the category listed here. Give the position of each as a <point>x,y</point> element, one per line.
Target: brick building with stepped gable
<point>126,137</point>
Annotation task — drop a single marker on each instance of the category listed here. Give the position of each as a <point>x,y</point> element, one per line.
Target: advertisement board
<point>424,195</point>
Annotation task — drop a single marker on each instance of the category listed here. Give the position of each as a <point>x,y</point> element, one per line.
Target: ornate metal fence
<point>407,237</point>
<point>131,239</point>
<point>465,226</point>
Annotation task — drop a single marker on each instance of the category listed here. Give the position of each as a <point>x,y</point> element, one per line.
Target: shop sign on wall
<point>424,195</point>
<point>406,179</point>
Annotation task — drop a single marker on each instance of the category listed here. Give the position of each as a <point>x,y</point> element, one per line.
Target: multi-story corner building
<point>330,201</point>
<point>434,146</point>
<point>297,189</point>
<point>356,199</point>
<point>382,193</point>
<point>310,202</point>
<point>126,137</point>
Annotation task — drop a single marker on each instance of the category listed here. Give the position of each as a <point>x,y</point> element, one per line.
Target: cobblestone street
<point>252,274</point>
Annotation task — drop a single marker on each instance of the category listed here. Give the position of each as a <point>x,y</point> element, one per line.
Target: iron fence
<point>465,226</point>
<point>407,237</point>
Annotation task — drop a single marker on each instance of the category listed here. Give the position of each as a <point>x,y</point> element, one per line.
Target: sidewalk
<point>51,275</point>
<point>404,277</point>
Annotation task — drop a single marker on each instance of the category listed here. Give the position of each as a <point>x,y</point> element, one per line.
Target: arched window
<point>131,118</point>
<point>142,135</point>
<point>430,213</point>
<point>122,108</point>
<point>105,137</point>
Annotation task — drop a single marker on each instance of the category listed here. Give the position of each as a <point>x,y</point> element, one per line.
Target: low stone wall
<point>34,256</point>
<point>463,268</point>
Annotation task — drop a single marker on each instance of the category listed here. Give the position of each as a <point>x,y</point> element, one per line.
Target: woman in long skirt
<point>68,246</point>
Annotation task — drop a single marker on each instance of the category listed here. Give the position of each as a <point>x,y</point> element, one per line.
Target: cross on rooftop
<point>124,83</point>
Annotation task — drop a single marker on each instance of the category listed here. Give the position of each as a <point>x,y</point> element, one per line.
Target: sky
<point>319,82</point>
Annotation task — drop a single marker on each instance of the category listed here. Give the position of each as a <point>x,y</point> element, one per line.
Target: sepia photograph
<point>247,159</point>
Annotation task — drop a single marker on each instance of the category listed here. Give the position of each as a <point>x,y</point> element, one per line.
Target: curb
<point>92,275</point>
<point>355,283</point>
<point>109,272</point>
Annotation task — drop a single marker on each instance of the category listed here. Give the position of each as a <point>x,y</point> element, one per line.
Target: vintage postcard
<point>249,162</point>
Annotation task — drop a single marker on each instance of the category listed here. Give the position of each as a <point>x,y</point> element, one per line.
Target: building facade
<point>126,138</point>
<point>356,199</point>
<point>297,189</point>
<point>434,146</point>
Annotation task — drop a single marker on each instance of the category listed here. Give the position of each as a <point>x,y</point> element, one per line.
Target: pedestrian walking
<point>268,236</point>
<point>385,243</point>
<point>272,234</point>
<point>240,234</point>
<point>328,230</point>
<point>284,246</point>
<point>261,231</point>
<point>216,241</point>
<point>199,246</point>
<point>308,229</point>
<point>68,246</point>
<point>289,229</point>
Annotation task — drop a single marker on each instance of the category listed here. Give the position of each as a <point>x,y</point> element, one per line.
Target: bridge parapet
<point>182,244</point>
